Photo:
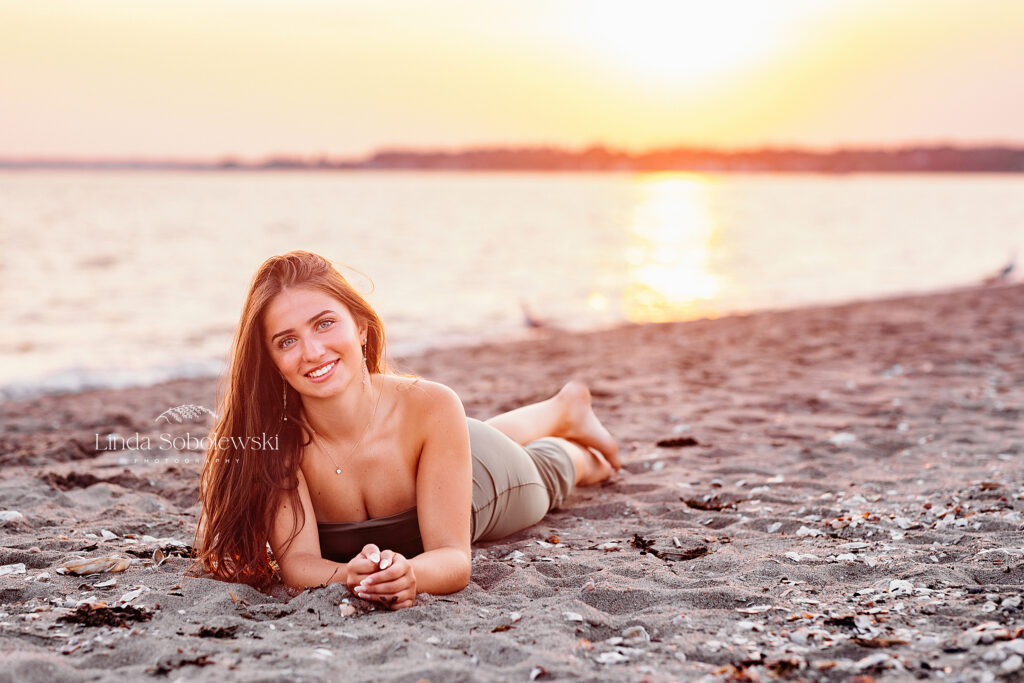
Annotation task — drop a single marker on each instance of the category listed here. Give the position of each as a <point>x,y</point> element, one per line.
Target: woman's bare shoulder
<point>421,397</point>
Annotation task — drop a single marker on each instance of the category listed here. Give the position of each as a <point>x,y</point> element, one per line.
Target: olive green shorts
<point>515,486</point>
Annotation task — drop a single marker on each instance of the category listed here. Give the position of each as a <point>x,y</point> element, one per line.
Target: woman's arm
<point>301,563</point>
<point>444,495</point>
<point>444,490</point>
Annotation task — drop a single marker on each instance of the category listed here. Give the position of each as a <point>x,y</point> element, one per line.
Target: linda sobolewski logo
<point>187,415</point>
<point>179,414</point>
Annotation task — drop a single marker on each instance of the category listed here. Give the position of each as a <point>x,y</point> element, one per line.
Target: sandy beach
<point>816,494</point>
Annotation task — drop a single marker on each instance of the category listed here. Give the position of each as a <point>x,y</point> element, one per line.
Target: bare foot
<point>591,466</point>
<point>580,424</point>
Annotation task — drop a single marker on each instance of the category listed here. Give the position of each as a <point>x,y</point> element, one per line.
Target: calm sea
<point>113,279</point>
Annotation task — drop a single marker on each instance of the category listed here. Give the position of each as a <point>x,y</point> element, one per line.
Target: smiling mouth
<point>321,370</point>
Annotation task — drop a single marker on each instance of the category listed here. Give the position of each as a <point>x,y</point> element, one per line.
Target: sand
<point>838,493</point>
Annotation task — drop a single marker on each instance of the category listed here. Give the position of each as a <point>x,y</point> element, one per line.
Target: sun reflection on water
<point>672,231</point>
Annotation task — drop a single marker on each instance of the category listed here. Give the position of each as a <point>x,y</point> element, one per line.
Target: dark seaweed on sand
<point>168,549</point>
<point>88,615</point>
<point>678,442</point>
<point>217,632</point>
<point>714,504</point>
<point>170,664</point>
<point>646,546</point>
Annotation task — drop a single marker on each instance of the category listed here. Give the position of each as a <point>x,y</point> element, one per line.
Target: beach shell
<point>16,568</point>
<point>96,565</point>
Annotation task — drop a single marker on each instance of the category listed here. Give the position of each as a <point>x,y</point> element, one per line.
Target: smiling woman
<point>380,481</point>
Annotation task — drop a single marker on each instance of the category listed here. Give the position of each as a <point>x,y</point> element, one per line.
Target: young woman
<point>378,480</point>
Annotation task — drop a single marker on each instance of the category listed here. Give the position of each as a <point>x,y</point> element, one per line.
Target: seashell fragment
<point>96,565</point>
<point>16,568</point>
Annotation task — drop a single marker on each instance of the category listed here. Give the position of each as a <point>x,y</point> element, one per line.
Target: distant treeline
<point>598,158</point>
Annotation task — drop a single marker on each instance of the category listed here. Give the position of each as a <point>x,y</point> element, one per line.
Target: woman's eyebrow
<point>308,322</point>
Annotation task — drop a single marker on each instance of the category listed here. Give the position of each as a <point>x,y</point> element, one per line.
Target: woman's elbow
<point>456,575</point>
<point>464,574</point>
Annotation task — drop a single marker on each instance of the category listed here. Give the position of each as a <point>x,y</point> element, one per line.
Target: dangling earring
<point>365,374</point>
<point>284,399</point>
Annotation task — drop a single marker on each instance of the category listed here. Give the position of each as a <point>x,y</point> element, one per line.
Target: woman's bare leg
<point>566,415</point>
<point>591,467</point>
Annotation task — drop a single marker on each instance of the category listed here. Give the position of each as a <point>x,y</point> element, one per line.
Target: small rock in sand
<point>841,439</point>
<point>880,660</point>
<point>1012,664</point>
<point>611,658</point>
<point>800,557</point>
<point>636,634</point>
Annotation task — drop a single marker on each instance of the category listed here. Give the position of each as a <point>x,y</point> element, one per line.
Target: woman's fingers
<point>403,598</point>
<point>385,587</point>
<point>363,565</point>
<point>394,585</point>
<point>367,561</point>
<point>371,552</point>
<point>388,567</point>
<point>392,565</point>
<point>387,558</point>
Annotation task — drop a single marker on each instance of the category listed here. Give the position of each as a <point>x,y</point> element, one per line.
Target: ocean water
<point>121,278</point>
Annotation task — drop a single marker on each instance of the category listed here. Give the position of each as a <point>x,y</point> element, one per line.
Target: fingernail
<point>363,596</point>
<point>385,563</point>
<point>375,558</point>
<point>365,582</point>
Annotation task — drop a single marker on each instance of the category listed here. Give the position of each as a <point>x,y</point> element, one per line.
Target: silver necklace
<point>323,446</point>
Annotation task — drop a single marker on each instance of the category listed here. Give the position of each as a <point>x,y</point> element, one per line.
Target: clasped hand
<point>382,576</point>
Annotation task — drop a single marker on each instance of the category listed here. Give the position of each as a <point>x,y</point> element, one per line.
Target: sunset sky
<point>209,78</point>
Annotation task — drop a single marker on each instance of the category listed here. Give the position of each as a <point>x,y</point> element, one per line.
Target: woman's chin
<point>326,388</point>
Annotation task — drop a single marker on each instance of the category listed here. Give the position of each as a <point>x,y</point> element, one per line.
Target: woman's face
<point>314,341</point>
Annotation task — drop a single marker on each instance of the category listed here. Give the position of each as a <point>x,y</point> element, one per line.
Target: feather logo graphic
<point>185,413</point>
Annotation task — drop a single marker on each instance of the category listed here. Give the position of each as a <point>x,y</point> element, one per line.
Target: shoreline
<point>76,380</point>
<point>814,493</point>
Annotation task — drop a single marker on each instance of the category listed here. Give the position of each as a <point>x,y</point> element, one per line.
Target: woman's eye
<point>324,324</point>
<point>286,342</point>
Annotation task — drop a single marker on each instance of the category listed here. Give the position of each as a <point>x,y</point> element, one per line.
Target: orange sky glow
<point>251,78</point>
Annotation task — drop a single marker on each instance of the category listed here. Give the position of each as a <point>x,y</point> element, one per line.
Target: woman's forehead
<point>300,303</point>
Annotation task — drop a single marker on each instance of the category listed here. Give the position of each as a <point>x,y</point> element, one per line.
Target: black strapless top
<point>341,541</point>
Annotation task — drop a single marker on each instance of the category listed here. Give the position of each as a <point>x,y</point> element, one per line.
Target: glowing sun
<point>684,43</point>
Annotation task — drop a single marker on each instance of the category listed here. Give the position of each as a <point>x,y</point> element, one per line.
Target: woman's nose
<point>312,349</point>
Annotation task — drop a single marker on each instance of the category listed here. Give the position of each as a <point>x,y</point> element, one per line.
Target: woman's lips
<point>322,372</point>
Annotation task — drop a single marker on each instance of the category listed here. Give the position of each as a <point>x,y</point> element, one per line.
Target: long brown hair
<point>241,485</point>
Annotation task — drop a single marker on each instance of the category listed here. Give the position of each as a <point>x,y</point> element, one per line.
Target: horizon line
<point>256,161</point>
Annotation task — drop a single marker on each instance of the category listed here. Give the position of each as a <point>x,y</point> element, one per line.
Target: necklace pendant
<point>337,471</point>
